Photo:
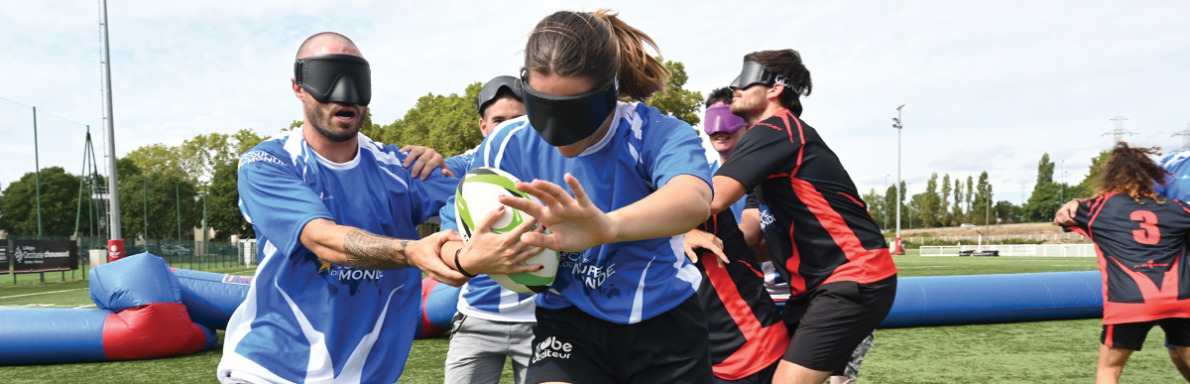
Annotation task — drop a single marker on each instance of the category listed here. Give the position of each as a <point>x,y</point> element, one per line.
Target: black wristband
<point>460,266</point>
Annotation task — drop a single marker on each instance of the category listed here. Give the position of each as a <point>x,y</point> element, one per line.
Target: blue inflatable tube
<point>35,335</point>
<point>140,316</point>
<point>979,299</point>
<point>211,298</point>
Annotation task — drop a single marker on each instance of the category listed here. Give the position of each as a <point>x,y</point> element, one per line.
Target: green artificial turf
<point>1034,352</point>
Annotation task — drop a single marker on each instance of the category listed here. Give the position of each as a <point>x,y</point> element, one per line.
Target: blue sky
<point>988,85</point>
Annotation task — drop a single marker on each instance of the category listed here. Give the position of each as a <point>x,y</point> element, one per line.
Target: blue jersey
<point>306,320</point>
<point>1179,178</point>
<point>625,282</point>
<point>482,297</point>
<point>458,164</point>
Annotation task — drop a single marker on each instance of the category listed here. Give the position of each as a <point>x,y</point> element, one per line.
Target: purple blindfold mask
<point>719,118</point>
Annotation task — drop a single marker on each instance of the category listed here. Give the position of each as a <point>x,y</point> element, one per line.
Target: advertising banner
<point>3,259</point>
<point>44,255</point>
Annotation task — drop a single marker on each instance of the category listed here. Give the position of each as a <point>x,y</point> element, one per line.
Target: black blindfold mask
<point>754,73</point>
<point>335,78</point>
<point>564,120</point>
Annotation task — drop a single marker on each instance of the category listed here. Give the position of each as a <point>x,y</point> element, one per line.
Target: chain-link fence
<point>92,251</point>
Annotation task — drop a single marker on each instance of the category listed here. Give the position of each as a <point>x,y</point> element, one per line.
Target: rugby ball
<point>478,194</point>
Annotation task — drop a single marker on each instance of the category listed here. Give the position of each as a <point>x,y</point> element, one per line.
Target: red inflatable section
<point>151,331</point>
<point>428,329</point>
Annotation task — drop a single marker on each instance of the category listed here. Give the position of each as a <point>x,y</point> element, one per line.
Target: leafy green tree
<point>944,208</point>
<point>890,206</point>
<point>876,208</point>
<point>1009,212</point>
<point>223,211</point>
<point>983,200</point>
<point>161,159</point>
<point>171,201</point>
<point>1086,188</point>
<point>1045,170</point>
<point>448,124</point>
<point>194,160</point>
<point>970,192</point>
<point>930,205</point>
<point>676,101</point>
<point>956,213</point>
<point>1043,203</point>
<point>59,204</point>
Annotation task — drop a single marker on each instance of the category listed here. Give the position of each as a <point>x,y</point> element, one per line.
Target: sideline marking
<point>42,293</point>
<point>37,305</point>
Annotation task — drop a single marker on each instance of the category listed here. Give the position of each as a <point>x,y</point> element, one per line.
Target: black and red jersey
<point>1142,255</point>
<point>747,333</point>
<point>822,231</point>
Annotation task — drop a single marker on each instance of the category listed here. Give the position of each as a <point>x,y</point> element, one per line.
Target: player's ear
<point>774,92</point>
<point>297,90</point>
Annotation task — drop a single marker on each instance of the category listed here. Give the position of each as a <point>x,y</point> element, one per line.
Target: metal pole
<point>898,249</point>
<point>37,173</point>
<point>112,187</point>
<point>78,211</point>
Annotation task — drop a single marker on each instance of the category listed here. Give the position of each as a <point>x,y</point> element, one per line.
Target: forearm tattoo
<point>371,251</point>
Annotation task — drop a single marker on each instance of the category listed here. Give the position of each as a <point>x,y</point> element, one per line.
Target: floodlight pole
<point>37,173</point>
<point>112,181</point>
<point>898,249</point>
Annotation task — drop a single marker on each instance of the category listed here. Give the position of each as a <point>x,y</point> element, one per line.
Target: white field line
<point>40,305</point>
<point>42,293</point>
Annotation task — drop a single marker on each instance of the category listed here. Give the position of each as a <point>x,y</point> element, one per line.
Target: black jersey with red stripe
<point>822,232</point>
<point>1141,246</point>
<point>747,333</point>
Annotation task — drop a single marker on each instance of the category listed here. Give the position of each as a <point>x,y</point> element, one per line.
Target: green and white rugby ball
<point>478,194</point>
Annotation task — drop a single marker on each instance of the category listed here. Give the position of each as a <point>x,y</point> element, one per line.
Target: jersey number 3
<point>1148,232</point>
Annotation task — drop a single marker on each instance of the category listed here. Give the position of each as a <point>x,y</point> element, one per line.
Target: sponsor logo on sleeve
<point>258,156</point>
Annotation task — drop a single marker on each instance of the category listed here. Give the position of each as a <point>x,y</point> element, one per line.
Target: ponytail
<point>641,75</point>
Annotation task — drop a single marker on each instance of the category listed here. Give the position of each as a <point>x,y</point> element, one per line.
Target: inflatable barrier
<point>211,298</point>
<point>140,316</point>
<point>977,299</point>
<point>147,312</point>
<point>439,303</point>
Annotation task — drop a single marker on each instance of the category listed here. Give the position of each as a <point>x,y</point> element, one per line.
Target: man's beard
<point>323,123</point>
<point>750,112</point>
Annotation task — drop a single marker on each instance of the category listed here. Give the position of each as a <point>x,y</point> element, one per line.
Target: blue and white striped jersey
<point>482,297</point>
<point>306,320</point>
<point>626,282</point>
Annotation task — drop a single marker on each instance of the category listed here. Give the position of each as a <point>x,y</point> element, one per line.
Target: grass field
<point>1034,352</point>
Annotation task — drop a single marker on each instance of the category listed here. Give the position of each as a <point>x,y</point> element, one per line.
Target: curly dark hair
<point>720,95</point>
<point>1131,170</point>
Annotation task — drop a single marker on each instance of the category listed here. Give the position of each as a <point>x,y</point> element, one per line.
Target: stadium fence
<point>1044,250</point>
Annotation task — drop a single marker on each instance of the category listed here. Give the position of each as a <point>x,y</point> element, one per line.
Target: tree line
<point>163,188</point>
<point>956,201</point>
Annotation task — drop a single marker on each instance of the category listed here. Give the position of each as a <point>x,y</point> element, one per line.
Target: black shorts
<point>571,346</point>
<point>830,320</point>
<point>1132,335</point>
